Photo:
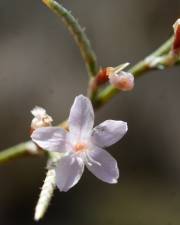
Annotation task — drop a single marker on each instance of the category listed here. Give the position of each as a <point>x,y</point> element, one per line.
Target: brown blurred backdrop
<point>41,65</point>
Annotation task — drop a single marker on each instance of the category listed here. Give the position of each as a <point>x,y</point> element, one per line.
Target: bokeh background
<point>41,65</point>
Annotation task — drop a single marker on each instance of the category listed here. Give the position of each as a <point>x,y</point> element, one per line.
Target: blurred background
<point>41,65</point>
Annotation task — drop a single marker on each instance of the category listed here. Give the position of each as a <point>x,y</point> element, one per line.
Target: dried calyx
<point>121,80</point>
<point>41,118</point>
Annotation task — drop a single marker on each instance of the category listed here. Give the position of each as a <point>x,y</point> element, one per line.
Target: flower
<point>82,145</point>
<point>41,118</point>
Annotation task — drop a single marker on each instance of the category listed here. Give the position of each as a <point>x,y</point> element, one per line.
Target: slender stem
<point>49,185</point>
<point>78,33</point>
<point>164,48</point>
<point>138,70</point>
<point>22,149</point>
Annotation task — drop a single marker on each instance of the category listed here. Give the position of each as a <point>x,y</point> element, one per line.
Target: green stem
<point>48,187</point>
<point>164,48</point>
<point>138,70</point>
<point>22,149</point>
<point>79,35</point>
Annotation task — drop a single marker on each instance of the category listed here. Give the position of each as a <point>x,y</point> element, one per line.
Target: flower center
<point>80,147</point>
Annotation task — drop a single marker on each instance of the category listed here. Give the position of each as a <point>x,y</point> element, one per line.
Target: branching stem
<point>138,70</point>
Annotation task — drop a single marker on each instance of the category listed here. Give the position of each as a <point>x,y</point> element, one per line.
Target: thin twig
<point>17,151</point>
<point>138,70</point>
<point>49,185</point>
<point>78,33</point>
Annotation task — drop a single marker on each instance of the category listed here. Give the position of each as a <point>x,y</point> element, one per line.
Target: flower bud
<point>176,42</point>
<point>41,118</point>
<point>123,80</point>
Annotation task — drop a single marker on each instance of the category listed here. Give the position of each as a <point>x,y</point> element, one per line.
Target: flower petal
<point>81,118</point>
<point>102,165</point>
<point>50,138</point>
<point>68,172</point>
<point>108,132</point>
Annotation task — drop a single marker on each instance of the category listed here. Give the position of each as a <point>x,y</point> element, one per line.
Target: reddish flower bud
<point>176,42</point>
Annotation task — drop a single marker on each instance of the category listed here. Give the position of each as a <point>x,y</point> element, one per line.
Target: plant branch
<point>19,150</point>
<point>49,185</point>
<point>28,148</point>
<point>103,97</point>
<point>78,33</point>
<point>164,48</point>
<point>138,70</point>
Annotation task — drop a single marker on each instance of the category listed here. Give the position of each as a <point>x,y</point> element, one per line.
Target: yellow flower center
<point>80,147</point>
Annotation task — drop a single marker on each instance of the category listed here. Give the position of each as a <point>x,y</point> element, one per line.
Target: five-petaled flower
<point>82,145</point>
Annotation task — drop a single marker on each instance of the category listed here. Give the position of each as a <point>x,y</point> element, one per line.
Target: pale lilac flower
<point>82,145</point>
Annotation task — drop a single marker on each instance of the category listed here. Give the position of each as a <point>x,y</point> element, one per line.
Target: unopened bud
<point>123,81</point>
<point>176,42</point>
<point>41,118</point>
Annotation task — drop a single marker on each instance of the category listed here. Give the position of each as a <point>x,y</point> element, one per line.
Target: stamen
<point>80,147</point>
<point>90,160</point>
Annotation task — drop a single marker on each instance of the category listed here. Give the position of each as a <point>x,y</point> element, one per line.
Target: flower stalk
<point>47,189</point>
<point>45,195</point>
<point>78,34</point>
<point>49,185</point>
<point>138,70</point>
<point>20,150</point>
